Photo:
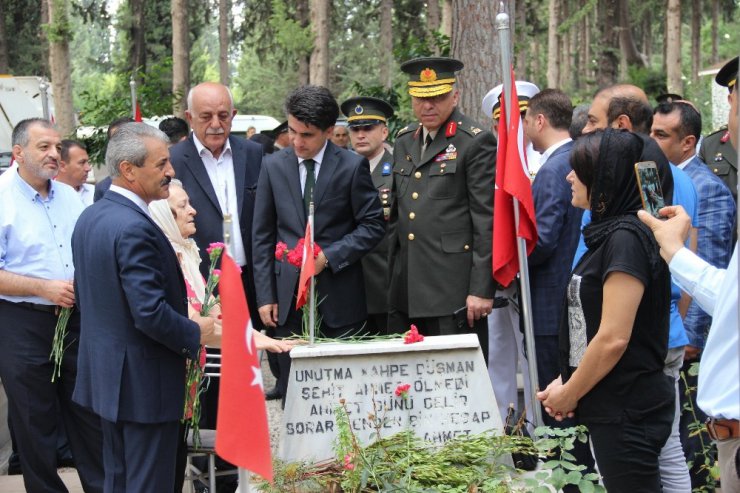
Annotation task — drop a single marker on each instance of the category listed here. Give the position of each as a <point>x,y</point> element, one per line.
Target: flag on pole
<point>242,434</point>
<point>137,113</point>
<point>308,269</point>
<point>512,182</point>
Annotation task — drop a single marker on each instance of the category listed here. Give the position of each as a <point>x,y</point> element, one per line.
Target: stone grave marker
<point>450,392</point>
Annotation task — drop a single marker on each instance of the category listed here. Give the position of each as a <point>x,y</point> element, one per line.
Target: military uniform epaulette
<point>408,128</point>
<point>721,131</point>
<point>469,126</point>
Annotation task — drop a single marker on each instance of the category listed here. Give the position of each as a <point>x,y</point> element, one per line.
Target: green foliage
<point>651,80</point>
<point>59,29</point>
<point>26,53</point>
<point>698,429</point>
<point>289,35</point>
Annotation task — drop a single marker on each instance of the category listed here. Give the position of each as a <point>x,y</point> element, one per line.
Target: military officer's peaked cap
<point>431,76</point>
<point>727,75</point>
<point>365,110</point>
<point>525,91</point>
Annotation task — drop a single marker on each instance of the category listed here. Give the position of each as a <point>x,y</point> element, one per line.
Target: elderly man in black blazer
<point>348,222</point>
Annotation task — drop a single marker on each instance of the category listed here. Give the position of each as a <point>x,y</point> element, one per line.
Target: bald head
<point>210,113</point>
<point>620,106</point>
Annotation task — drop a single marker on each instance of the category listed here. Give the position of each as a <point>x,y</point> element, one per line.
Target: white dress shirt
<point>550,150</point>
<point>86,193</point>
<point>715,290</point>
<point>318,158</point>
<point>132,197</point>
<point>221,173</point>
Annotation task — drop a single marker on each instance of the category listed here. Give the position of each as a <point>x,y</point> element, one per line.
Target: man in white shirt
<point>74,168</point>
<point>715,290</point>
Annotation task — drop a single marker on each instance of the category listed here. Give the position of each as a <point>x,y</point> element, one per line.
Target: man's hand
<point>670,234</point>
<point>269,314</point>
<point>207,329</point>
<point>477,308</point>
<point>319,263</point>
<point>691,353</point>
<point>60,293</point>
<point>263,342</point>
<point>558,403</point>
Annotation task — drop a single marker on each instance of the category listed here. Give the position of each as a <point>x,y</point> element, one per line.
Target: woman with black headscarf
<point>614,334</point>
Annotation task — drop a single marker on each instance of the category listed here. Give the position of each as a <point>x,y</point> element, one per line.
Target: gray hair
<point>192,89</point>
<point>20,131</point>
<point>128,144</point>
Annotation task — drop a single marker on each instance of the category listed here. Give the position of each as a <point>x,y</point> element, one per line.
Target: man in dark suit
<point>103,185</point>
<point>558,223</point>
<point>135,334</point>
<point>442,215</point>
<point>219,171</point>
<point>366,119</point>
<point>348,222</point>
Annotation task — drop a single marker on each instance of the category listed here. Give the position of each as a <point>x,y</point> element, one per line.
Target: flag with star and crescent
<point>242,433</point>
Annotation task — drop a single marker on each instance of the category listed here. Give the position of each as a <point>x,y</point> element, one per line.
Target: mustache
<point>215,131</point>
<point>165,181</point>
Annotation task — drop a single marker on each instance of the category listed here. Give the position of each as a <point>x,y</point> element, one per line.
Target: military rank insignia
<point>386,170</point>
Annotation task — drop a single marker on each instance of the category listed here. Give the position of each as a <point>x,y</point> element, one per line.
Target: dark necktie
<point>310,164</point>
<point>427,143</point>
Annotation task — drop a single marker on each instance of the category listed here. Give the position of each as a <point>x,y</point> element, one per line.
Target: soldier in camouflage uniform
<point>442,215</point>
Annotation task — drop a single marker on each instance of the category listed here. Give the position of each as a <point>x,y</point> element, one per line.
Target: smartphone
<point>648,184</point>
<point>461,318</point>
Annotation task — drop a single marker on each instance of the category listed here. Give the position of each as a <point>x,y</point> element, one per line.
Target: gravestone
<point>449,394</point>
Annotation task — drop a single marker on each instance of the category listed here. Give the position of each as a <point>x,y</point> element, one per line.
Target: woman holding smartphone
<point>614,333</point>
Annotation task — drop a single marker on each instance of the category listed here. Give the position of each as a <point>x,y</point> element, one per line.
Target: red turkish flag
<point>242,434</point>
<point>512,181</point>
<point>137,113</point>
<point>308,269</point>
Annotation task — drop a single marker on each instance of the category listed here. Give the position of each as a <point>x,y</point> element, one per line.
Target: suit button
<point>412,215</point>
<point>384,196</point>
<point>184,351</point>
<point>417,175</point>
<point>467,247</point>
<point>415,195</point>
<point>411,236</point>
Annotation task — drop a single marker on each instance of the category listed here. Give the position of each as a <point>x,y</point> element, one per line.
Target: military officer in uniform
<point>442,212</point>
<point>719,150</point>
<point>367,119</point>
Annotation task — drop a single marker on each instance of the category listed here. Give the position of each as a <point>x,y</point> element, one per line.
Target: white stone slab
<point>450,392</point>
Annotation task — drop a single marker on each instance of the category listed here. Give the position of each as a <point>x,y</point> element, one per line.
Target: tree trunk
<point>553,45</point>
<point>473,26</point>
<point>608,59</point>
<point>304,18</point>
<point>386,36</point>
<point>433,23</point>
<point>180,56</point>
<point>673,47</point>
<point>4,64</point>
<point>319,69</point>
<point>715,31</point>
<point>447,18</point>
<point>647,38</point>
<point>137,36</point>
<point>223,41</point>
<point>695,41</point>
<point>626,40</point>
<point>586,64</point>
<point>520,47</point>
<point>59,35</point>
<point>44,40</point>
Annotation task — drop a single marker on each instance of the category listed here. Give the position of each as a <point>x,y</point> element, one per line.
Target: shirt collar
<point>28,191</point>
<point>550,150</point>
<point>685,163</point>
<point>131,196</point>
<point>201,148</point>
<point>319,157</point>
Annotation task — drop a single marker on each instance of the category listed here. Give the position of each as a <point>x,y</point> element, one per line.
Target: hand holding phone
<point>648,184</point>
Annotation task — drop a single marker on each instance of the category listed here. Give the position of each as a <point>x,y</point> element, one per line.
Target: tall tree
<point>303,16</point>
<point>473,27</point>
<point>626,41</point>
<point>180,56</point>
<point>715,31</point>
<point>434,18</point>
<point>59,34</point>
<point>4,64</point>
<point>553,44</point>
<point>319,69</point>
<point>447,18</point>
<point>386,39</point>
<point>137,36</point>
<point>673,47</point>
<point>696,10</point>
<point>608,58</point>
<point>223,41</point>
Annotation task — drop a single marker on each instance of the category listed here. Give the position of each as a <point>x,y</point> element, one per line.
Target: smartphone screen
<point>648,184</point>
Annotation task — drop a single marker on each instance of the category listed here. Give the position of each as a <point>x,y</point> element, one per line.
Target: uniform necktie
<point>427,142</point>
<point>310,183</point>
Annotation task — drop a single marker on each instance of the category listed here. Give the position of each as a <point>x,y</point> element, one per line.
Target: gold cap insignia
<point>428,75</point>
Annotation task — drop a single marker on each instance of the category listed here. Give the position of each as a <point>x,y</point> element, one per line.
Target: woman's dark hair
<point>584,157</point>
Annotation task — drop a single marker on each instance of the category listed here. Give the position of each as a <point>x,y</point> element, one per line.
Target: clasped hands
<point>557,400</point>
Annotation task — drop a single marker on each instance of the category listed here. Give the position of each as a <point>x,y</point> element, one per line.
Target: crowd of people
<point>623,303</point>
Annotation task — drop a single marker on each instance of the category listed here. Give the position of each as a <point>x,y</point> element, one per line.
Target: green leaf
<point>585,486</point>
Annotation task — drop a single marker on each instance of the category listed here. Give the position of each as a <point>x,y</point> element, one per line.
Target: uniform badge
<point>408,157</point>
<point>718,157</point>
<point>475,130</point>
<point>386,171</point>
<point>451,148</point>
<point>451,129</point>
<point>427,75</point>
<point>359,110</point>
<point>725,137</point>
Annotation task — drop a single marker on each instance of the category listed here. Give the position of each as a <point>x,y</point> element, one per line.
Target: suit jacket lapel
<point>438,145</point>
<point>328,165</point>
<point>239,160</point>
<point>198,169</point>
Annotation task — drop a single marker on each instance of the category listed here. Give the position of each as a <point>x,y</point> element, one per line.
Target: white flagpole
<point>311,292</point>
<point>132,83</point>
<point>502,25</point>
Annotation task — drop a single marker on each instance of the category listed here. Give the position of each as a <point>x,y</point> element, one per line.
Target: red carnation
<point>280,250</point>
<point>412,336</point>
<point>402,390</point>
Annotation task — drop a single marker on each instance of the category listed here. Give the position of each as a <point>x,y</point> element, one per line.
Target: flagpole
<point>44,89</point>
<point>502,26</point>
<point>132,83</point>
<point>311,292</point>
